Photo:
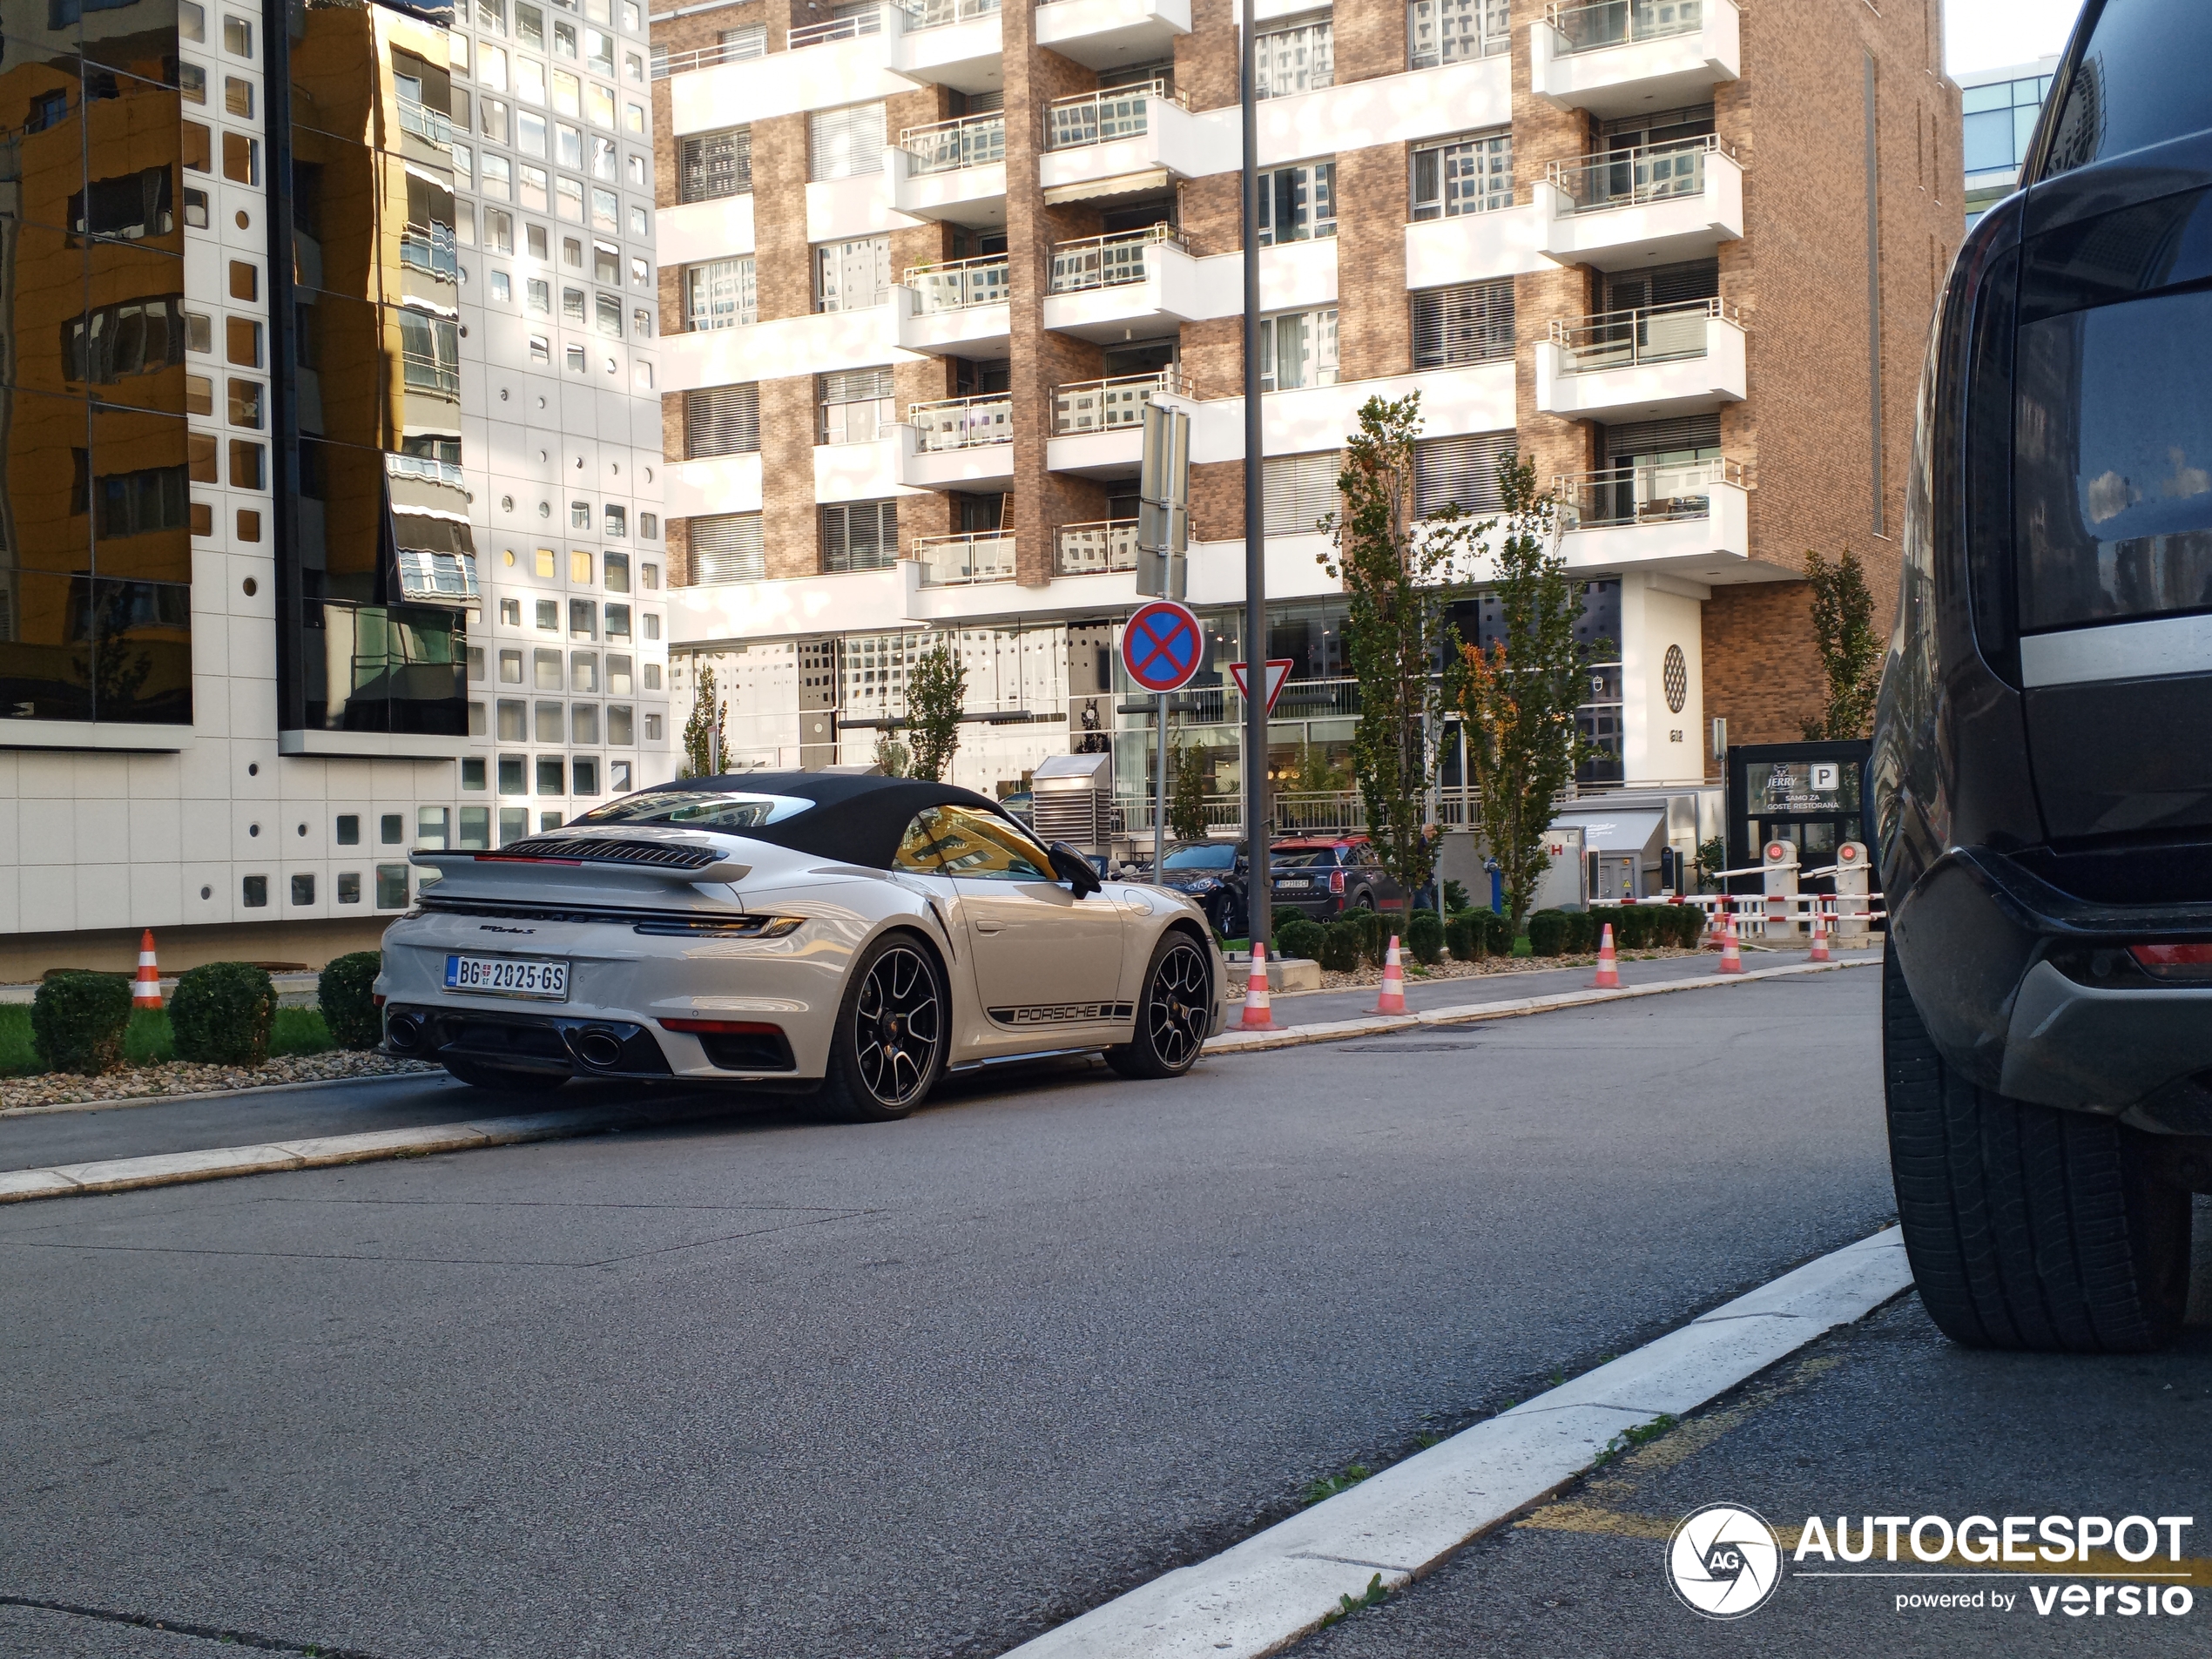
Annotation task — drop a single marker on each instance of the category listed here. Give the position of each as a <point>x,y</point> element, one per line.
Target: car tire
<point>477,1076</point>
<point>893,1035</point>
<point>2028,1228</point>
<point>1173,1015</point>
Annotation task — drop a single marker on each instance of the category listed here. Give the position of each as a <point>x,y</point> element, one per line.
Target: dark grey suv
<point>2042,759</point>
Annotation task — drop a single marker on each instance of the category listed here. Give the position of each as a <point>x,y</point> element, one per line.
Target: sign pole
<point>1160,805</point>
<point>1258,882</point>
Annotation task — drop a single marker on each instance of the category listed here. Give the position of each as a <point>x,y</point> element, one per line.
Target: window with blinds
<point>721,420</point>
<point>1453,31</point>
<point>851,276</point>
<point>1686,437</point>
<point>752,41</point>
<point>860,535</point>
<point>715,165</point>
<point>857,405</point>
<point>1468,175</point>
<point>1299,491</point>
<point>1297,55</point>
<point>846,143</point>
<point>1469,323</point>
<point>727,547</point>
<point>1462,470</point>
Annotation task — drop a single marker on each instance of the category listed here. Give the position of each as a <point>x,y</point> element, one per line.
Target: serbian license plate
<point>507,976</point>
<point>1298,883</point>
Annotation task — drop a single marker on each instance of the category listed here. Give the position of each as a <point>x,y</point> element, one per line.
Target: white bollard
<point>1780,874</point>
<point>1853,874</point>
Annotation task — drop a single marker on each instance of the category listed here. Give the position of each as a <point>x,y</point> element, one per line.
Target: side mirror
<point>1074,868</point>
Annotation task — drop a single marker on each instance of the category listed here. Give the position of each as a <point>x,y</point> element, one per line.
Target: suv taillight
<point>1336,880</point>
<point>2174,962</point>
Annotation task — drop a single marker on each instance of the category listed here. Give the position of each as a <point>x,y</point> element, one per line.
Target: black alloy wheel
<point>1175,1015</point>
<point>889,1046</point>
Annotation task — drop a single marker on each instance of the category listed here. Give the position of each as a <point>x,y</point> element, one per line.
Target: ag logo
<point>1723,1561</point>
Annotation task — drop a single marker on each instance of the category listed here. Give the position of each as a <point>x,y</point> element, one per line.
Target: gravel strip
<point>1482,968</point>
<point>183,1077</point>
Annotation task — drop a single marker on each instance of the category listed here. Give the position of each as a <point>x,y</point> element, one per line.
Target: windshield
<point>1305,857</point>
<point>696,809</point>
<point>1202,857</point>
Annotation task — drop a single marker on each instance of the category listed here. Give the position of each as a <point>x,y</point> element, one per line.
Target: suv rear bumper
<point>2030,991</point>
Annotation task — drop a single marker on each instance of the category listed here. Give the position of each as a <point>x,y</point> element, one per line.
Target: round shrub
<point>1692,925</point>
<point>1425,937</point>
<point>1466,937</point>
<point>78,1020</point>
<point>1581,931</point>
<point>222,1012</point>
<point>1499,927</point>
<point>1343,943</point>
<point>344,990</point>
<point>1632,927</point>
<point>1547,933</point>
<point>1299,936</point>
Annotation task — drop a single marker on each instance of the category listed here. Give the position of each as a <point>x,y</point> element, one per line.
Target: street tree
<point>891,756</point>
<point>1402,572</point>
<point>1187,795</point>
<point>710,715</point>
<point>1517,699</point>
<point>1851,647</point>
<point>935,686</point>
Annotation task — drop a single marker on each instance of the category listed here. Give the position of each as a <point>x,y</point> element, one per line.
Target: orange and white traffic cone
<point>1819,952</point>
<point>1257,1016</point>
<point>147,993</point>
<point>1391,998</point>
<point>1608,965</point>
<point>1731,958</point>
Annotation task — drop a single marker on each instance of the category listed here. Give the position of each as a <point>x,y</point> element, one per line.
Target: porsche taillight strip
<point>652,923</point>
<point>578,849</point>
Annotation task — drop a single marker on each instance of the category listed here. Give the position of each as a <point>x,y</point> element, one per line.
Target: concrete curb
<point>1266,1593</point>
<point>1236,1041</point>
<point>435,1074</point>
<point>172,1169</point>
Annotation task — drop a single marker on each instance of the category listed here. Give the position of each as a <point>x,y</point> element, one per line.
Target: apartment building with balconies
<point>924,264</point>
<point>330,525</point>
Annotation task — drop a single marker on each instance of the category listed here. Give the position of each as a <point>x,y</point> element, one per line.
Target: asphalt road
<point>757,1386</point>
<point>1884,1418</point>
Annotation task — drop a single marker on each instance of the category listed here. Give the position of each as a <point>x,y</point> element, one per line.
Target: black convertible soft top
<point>853,820</point>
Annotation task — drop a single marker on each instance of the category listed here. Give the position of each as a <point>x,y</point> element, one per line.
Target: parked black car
<point>2043,784</point>
<point>1215,875</point>
<point>1323,876</point>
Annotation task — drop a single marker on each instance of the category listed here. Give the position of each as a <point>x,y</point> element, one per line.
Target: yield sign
<point>1163,646</point>
<point>1278,669</point>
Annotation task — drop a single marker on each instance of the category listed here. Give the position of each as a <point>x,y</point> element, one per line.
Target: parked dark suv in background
<point>2042,758</point>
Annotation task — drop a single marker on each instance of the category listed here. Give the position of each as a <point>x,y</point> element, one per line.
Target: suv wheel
<point>2028,1227</point>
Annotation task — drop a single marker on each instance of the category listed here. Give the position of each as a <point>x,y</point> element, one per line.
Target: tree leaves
<point>1851,647</point>
<point>934,688</point>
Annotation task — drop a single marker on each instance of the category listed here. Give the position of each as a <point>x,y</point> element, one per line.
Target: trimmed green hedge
<point>1343,944</point>
<point>1467,935</point>
<point>1299,936</point>
<point>346,990</point>
<point>78,1020</point>
<point>222,1014</point>
<point>1425,937</point>
<point>1547,933</point>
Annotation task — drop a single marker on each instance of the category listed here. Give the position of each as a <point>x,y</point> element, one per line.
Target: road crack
<point>184,1627</point>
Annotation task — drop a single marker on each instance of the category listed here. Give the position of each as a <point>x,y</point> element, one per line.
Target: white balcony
<point>1620,57</point>
<point>845,61</point>
<point>948,43</point>
<point>839,210</point>
<point>951,170</point>
<point>1098,426</point>
<point>780,348</point>
<point>714,484</point>
<point>1143,285</point>
<point>964,561</point>
<point>860,468</point>
<point>1668,202</point>
<point>956,309</point>
<point>1504,242</point>
<point>1691,517</point>
<point>719,229</point>
<point>1643,365</point>
<point>1105,34</point>
<point>1096,549</point>
<point>959,443</point>
<point>1122,141</point>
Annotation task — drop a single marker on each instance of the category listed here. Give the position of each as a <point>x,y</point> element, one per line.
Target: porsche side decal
<point>1065,1013</point>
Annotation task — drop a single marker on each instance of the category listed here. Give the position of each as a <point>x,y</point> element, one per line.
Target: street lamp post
<point>1259,885</point>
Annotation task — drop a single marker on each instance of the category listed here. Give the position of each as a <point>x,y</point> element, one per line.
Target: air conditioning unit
<point>1073,801</point>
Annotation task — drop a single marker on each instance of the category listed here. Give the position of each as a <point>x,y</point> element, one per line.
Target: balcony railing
<point>1110,261</point>
<point>960,561</point>
<point>728,51</point>
<point>426,124</point>
<point>1625,339</point>
<point>947,146</point>
<point>1621,23</point>
<point>1110,405</point>
<point>936,14</point>
<point>1658,492</point>
<point>852,28</point>
<point>962,423</point>
<point>425,467</point>
<point>1629,177</point>
<point>1090,549</point>
<point>958,284</point>
<point>1101,118</point>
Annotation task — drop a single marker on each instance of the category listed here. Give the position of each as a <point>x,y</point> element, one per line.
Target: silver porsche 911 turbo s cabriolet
<point>851,937</point>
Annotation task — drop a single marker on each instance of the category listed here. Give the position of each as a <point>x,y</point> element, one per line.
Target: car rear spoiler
<point>450,863</point>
